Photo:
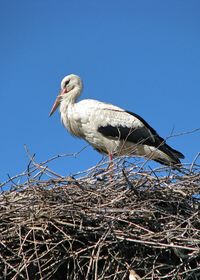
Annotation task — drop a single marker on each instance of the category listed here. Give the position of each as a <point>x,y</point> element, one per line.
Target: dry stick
<point>22,267</point>
<point>11,179</point>
<point>184,133</point>
<point>93,253</point>
<point>21,251</point>
<point>36,254</point>
<point>88,206</point>
<point>24,240</point>
<point>9,265</point>
<point>40,165</point>
<point>194,161</point>
<point>157,244</point>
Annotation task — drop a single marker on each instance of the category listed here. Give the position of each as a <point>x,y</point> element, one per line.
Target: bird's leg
<point>110,165</point>
<point>110,157</point>
<point>109,168</point>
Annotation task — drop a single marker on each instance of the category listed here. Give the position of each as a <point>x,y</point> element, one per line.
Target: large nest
<point>124,223</point>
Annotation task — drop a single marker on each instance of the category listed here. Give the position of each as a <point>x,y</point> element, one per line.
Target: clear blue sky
<point>141,55</point>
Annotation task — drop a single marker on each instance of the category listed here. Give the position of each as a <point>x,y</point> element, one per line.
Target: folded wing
<point>131,127</point>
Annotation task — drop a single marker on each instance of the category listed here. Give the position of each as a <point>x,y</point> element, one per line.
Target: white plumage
<point>108,128</point>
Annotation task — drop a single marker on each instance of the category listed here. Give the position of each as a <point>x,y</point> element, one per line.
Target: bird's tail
<point>175,152</point>
<point>171,156</point>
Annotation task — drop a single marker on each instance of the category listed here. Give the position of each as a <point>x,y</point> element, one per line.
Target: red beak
<point>57,102</point>
<point>55,105</point>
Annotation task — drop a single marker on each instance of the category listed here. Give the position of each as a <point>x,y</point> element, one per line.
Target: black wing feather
<point>159,140</point>
<point>142,135</point>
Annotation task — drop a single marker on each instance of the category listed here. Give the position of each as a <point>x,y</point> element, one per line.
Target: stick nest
<point>125,223</point>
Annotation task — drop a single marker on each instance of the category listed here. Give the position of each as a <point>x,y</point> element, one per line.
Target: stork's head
<point>71,87</point>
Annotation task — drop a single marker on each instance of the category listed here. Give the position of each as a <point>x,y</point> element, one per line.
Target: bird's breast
<point>72,122</point>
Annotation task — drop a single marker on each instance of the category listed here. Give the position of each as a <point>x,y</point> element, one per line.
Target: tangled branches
<point>102,224</point>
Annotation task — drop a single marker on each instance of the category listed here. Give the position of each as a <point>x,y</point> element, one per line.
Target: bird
<point>110,129</point>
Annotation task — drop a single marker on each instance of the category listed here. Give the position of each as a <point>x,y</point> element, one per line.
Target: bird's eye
<point>66,83</point>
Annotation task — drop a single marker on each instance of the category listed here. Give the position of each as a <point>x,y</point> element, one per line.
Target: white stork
<point>108,128</point>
